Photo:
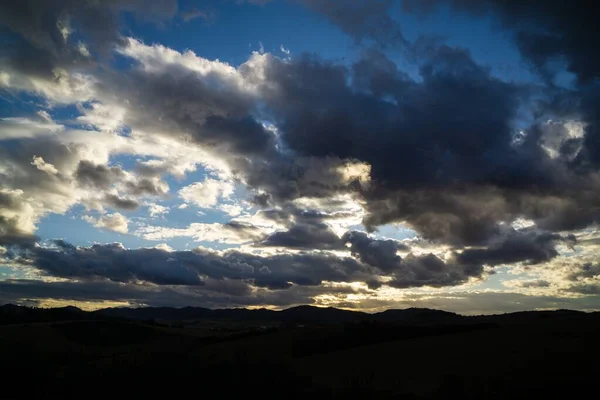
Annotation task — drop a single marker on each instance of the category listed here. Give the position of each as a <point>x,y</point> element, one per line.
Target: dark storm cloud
<point>532,248</point>
<point>424,140</point>
<point>145,186</point>
<point>97,176</point>
<point>361,19</point>
<point>316,235</point>
<point>378,253</point>
<point>119,202</point>
<point>546,30</point>
<point>430,270</point>
<point>412,270</point>
<point>45,26</point>
<point>279,271</point>
<point>442,151</point>
<point>459,216</point>
<point>261,200</point>
<point>243,135</point>
<point>286,177</point>
<point>423,137</point>
<point>589,103</point>
<point>116,263</point>
<point>305,228</point>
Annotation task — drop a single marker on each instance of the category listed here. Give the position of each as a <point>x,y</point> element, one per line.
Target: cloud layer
<point>305,157</point>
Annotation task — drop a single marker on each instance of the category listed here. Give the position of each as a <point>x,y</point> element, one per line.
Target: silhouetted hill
<point>425,315</point>
<point>299,352</point>
<point>310,314</point>
<point>299,314</point>
<point>305,314</point>
<point>156,313</point>
<point>10,313</point>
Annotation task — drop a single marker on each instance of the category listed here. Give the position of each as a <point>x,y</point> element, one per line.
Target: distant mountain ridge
<point>10,313</point>
<point>299,314</point>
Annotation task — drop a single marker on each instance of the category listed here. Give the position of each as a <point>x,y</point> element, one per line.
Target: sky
<point>270,153</point>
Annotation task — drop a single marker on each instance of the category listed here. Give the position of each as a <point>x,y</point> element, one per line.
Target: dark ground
<point>324,353</point>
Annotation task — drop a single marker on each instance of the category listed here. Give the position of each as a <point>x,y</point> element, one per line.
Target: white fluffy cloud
<point>207,193</point>
<point>231,209</point>
<point>231,233</point>
<point>156,210</point>
<point>113,222</point>
<point>44,166</point>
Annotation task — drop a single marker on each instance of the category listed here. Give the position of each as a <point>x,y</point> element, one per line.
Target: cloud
<point>533,248</point>
<point>33,190</point>
<point>44,53</point>
<point>104,177</point>
<point>361,19</point>
<point>156,210</point>
<point>231,209</point>
<point>216,116</point>
<point>50,173</point>
<point>147,186</point>
<point>412,270</point>
<point>207,193</point>
<point>44,166</point>
<point>233,295</point>
<point>544,31</point>
<point>213,294</point>
<point>21,128</point>
<point>119,202</point>
<point>310,235</point>
<point>419,172</point>
<point>97,176</point>
<point>587,270</point>
<point>15,220</point>
<point>318,147</point>
<point>430,270</point>
<point>231,232</point>
<point>116,263</point>
<point>378,253</point>
<point>113,222</point>
<point>277,271</point>
<point>192,14</point>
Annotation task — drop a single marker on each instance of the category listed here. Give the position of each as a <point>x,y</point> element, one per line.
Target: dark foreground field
<point>412,354</point>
